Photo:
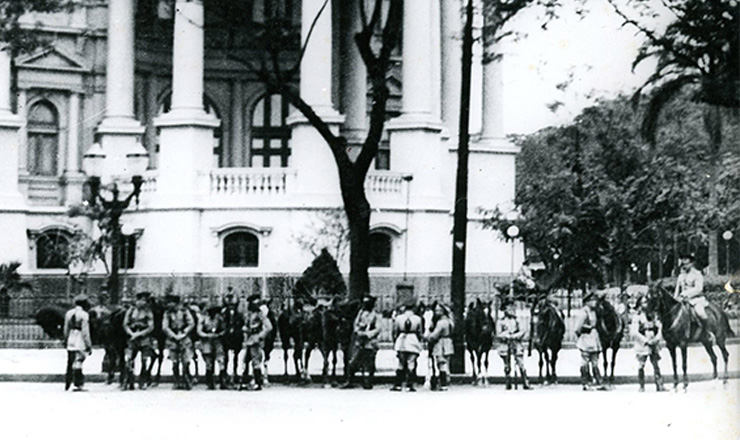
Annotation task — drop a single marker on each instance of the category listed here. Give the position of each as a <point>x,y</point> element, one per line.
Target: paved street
<point>40,411</point>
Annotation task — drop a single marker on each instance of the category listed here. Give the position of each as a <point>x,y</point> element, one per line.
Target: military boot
<point>599,382</point>
<point>585,378</point>
<point>525,380</point>
<point>79,380</point>
<point>367,381</point>
<point>68,379</point>
<point>176,376</point>
<point>443,381</point>
<point>210,383</point>
<point>411,381</point>
<point>658,381</point>
<point>187,380</point>
<point>641,379</point>
<point>246,380</point>
<point>398,382</point>
<point>258,379</point>
<point>223,380</point>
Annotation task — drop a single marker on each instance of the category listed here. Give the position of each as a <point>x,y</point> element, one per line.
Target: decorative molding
<point>387,228</point>
<point>219,232</point>
<point>34,234</point>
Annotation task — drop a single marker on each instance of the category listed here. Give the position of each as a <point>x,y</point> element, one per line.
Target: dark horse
<point>479,330</point>
<point>329,328</point>
<point>681,326</point>
<point>547,329</point>
<point>611,330</point>
<point>233,337</point>
<point>290,325</point>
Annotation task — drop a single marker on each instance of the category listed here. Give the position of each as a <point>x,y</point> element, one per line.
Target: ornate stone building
<point>235,174</point>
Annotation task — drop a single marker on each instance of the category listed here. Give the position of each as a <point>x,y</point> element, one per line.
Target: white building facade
<point>235,174</point>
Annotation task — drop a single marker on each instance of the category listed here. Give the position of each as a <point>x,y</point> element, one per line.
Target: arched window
<point>380,249</point>
<point>241,249</point>
<point>52,250</point>
<point>43,139</point>
<point>270,133</point>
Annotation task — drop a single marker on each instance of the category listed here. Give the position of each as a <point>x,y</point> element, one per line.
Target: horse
<point>680,326</point>
<point>290,329</point>
<point>610,328</point>
<point>479,332</point>
<point>233,337</point>
<point>547,329</point>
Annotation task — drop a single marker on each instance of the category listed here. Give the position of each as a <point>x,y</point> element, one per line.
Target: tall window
<point>270,133</point>
<point>241,249</point>
<point>128,252</point>
<point>43,139</point>
<point>52,250</point>
<point>380,249</point>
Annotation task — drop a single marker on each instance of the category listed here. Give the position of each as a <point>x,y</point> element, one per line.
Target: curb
<point>382,379</point>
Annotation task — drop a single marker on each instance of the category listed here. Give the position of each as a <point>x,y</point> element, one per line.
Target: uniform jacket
<point>256,328</point>
<point>588,337</point>
<point>178,322</point>
<point>440,337</point>
<point>210,327</point>
<point>510,335</point>
<point>77,330</point>
<point>366,329</point>
<point>407,328</point>
<point>690,284</point>
<point>139,321</point>
<point>644,330</point>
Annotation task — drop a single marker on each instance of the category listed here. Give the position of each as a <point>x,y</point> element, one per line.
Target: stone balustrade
<point>384,182</point>
<point>250,181</point>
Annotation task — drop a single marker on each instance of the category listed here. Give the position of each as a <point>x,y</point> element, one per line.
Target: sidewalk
<point>46,365</point>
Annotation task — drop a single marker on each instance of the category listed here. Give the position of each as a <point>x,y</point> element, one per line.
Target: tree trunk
<point>713,123</point>
<point>357,208</point>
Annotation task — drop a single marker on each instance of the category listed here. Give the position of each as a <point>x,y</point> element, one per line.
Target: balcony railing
<point>250,181</point>
<point>384,182</point>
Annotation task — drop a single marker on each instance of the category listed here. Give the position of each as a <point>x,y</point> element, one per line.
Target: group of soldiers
<point>410,334</point>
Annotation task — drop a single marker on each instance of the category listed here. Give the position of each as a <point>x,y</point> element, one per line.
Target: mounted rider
<point>439,337</point>
<point>256,328</point>
<point>407,332</point>
<point>646,334</point>
<point>210,330</point>
<point>78,342</point>
<point>365,330</point>
<point>177,324</point>
<point>138,323</point>
<point>690,287</point>
<point>510,334</point>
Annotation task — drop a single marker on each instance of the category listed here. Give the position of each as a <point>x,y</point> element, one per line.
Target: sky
<point>594,54</point>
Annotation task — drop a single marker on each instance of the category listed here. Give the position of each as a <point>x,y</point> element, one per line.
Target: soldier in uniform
<point>510,334</point>
<point>210,331</point>
<point>646,333</point>
<point>365,330</point>
<point>439,337</point>
<point>588,343</point>
<point>138,323</point>
<point>407,331</point>
<point>177,324</point>
<point>233,338</point>
<point>78,342</point>
<point>256,328</point>
<point>690,287</point>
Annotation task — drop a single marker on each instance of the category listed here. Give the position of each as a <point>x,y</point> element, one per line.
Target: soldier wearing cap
<point>138,323</point>
<point>646,333</point>
<point>588,342</point>
<point>690,287</point>
<point>256,328</point>
<point>407,331</point>
<point>439,337</point>
<point>210,330</point>
<point>177,324</point>
<point>78,342</point>
<point>510,334</point>
<point>365,330</point>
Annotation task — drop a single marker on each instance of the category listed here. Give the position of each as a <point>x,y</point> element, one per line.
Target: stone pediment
<point>52,58</point>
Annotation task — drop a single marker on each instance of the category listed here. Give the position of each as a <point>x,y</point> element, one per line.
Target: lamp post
<point>727,236</point>
<point>94,164</point>
<point>512,232</point>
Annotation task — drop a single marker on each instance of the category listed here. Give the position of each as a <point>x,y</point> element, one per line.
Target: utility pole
<point>460,226</point>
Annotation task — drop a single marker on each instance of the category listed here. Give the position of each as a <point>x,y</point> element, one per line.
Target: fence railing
<point>250,181</point>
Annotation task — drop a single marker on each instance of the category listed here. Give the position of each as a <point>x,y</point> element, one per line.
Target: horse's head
<point>658,299</point>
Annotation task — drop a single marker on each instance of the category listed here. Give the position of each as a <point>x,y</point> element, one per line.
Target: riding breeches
<point>407,360</point>
<point>254,355</point>
<point>363,358</point>
<point>589,358</point>
<point>699,303</point>
<point>518,359</point>
<point>140,345</point>
<point>443,363</point>
<point>654,356</point>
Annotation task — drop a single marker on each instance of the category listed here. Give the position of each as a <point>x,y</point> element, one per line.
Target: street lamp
<point>727,236</point>
<point>94,163</point>
<point>512,232</point>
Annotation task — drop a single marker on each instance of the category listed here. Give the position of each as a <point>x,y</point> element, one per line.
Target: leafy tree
<point>18,37</point>
<point>698,52</point>
<point>328,230</point>
<point>321,278</point>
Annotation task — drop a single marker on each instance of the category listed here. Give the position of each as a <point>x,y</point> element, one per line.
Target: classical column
<point>119,130</point>
<point>23,132</point>
<point>10,196</point>
<point>152,107</point>
<point>236,150</point>
<point>353,76</point>
<point>317,178</point>
<point>451,61</point>
<point>417,60</point>
<point>73,135</point>
<point>493,95</point>
<point>186,131</point>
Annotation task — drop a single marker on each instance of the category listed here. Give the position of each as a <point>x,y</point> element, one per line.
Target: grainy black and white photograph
<point>370,219</point>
